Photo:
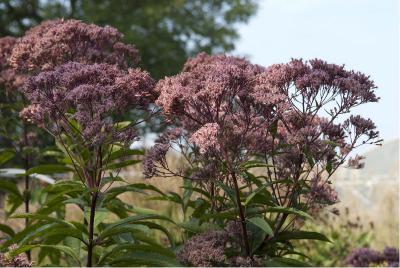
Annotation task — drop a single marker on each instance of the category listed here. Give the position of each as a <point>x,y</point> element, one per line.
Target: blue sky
<point>362,34</point>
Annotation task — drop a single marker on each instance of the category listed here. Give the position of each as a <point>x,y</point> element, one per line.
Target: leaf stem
<point>27,190</point>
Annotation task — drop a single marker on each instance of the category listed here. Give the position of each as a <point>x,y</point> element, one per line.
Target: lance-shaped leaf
<point>67,250</point>
<point>290,235</point>
<point>261,223</point>
<point>289,211</point>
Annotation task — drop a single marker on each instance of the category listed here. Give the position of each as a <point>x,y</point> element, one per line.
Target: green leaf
<point>127,249</point>
<point>43,218</point>
<point>65,232</point>
<point>99,216</point>
<point>6,155</point>
<point>111,179</point>
<point>115,191</point>
<point>289,211</point>
<point>153,225</point>
<point>140,210</point>
<point>261,223</point>
<point>309,157</point>
<point>65,185</point>
<point>187,193</point>
<point>289,235</point>
<point>198,190</point>
<point>225,215</point>
<point>229,191</point>
<point>329,168</point>
<point>20,235</point>
<point>132,228</point>
<point>52,153</point>
<point>10,187</point>
<point>37,232</point>
<point>297,253</point>
<point>130,220</point>
<point>52,229</point>
<point>7,230</point>
<point>13,203</point>
<point>77,201</point>
<point>253,194</point>
<point>67,250</point>
<point>273,128</point>
<point>285,262</point>
<point>257,237</point>
<point>48,169</point>
<point>145,186</point>
<point>255,164</point>
<point>122,164</point>
<point>196,227</point>
<point>145,258</point>
<point>123,124</point>
<point>123,152</point>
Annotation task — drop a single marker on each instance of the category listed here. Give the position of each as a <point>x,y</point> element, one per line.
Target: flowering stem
<point>242,217</point>
<point>91,229</point>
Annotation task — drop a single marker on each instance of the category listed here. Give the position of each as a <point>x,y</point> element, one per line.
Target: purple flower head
<point>391,255</point>
<point>9,78</point>
<point>17,261</point>
<point>222,102</point>
<point>94,93</point>
<point>206,249</point>
<point>362,126</point>
<point>206,138</point>
<point>356,162</point>
<point>240,261</point>
<point>321,193</point>
<point>207,173</point>
<point>364,257</point>
<point>316,77</point>
<point>169,135</point>
<point>156,155</point>
<point>59,41</point>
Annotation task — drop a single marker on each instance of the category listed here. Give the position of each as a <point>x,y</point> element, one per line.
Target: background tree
<point>165,31</point>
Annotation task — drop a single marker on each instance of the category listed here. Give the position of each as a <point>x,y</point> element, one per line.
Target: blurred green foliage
<point>166,32</point>
<point>344,237</point>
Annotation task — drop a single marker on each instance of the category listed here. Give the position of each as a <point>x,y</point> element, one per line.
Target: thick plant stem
<point>242,217</point>
<point>27,190</point>
<point>91,229</point>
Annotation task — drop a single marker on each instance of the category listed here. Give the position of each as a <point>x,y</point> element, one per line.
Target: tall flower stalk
<point>218,103</point>
<point>77,103</point>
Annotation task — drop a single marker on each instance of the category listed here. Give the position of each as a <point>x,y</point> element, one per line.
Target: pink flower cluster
<point>9,78</point>
<point>93,92</point>
<point>355,162</point>
<point>322,193</point>
<point>209,249</point>
<point>59,41</point>
<point>206,138</point>
<point>206,249</point>
<point>231,110</point>
<point>221,101</point>
<point>19,260</point>
<point>317,76</point>
<point>366,257</point>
